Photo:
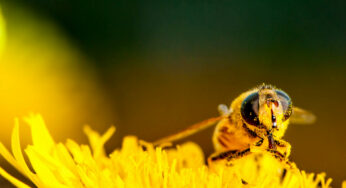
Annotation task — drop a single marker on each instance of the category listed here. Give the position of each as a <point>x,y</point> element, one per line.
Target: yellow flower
<point>139,164</point>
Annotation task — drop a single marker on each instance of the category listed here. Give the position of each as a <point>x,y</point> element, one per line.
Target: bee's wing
<point>189,131</point>
<point>300,116</point>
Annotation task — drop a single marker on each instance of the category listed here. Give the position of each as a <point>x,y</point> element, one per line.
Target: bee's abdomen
<point>224,141</point>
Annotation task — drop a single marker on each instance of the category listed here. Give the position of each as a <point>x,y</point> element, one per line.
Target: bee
<point>255,121</point>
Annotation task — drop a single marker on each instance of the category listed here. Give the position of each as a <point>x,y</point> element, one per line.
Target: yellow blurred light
<point>40,71</point>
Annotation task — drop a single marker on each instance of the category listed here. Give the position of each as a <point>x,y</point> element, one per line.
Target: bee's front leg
<point>283,147</point>
<point>282,151</point>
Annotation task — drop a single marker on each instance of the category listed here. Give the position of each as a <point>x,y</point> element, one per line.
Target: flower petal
<point>96,141</point>
<point>12,179</point>
<point>46,175</point>
<point>40,134</point>
<point>18,155</point>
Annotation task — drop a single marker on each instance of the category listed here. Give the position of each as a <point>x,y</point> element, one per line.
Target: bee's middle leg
<point>229,155</point>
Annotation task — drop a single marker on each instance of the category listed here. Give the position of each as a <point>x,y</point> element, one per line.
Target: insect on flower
<point>255,121</point>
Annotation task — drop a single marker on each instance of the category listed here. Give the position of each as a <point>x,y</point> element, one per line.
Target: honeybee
<point>255,121</point>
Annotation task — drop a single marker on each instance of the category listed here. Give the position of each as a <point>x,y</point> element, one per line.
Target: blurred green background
<point>153,68</point>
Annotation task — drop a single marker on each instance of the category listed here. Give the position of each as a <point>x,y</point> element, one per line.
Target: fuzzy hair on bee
<point>255,121</point>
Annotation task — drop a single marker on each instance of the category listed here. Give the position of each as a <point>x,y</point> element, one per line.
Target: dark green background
<point>114,31</point>
<point>168,64</point>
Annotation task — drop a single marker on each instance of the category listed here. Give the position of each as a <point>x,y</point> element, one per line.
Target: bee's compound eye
<point>286,104</point>
<point>249,109</point>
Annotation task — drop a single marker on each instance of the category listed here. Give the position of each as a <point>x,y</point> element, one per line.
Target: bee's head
<point>266,108</point>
